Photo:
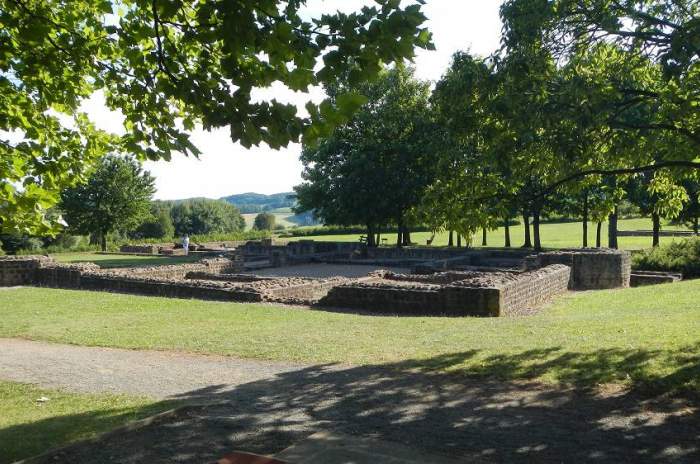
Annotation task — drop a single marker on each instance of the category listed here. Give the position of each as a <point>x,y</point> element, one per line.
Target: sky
<point>225,168</point>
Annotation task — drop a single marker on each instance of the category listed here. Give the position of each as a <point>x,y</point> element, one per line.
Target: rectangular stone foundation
<point>508,294</point>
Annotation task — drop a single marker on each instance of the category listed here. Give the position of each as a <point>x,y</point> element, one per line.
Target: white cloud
<point>225,168</point>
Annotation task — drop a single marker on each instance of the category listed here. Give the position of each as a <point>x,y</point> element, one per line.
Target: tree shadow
<point>498,413</point>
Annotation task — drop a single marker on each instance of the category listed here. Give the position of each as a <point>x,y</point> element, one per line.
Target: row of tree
<point>586,103</point>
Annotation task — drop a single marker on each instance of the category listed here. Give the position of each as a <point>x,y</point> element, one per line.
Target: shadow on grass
<point>496,413</point>
<point>24,440</point>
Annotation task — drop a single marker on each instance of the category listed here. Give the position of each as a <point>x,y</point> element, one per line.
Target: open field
<point>29,427</point>
<point>280,218</point>
<point>554,235</point>
<point>645,337</point>
<point>117,260</point>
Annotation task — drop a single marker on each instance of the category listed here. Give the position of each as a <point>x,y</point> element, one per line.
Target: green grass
<point>554,235</point>
<point>116,260</point>
<point>646,337</point>
<point>29,427</point>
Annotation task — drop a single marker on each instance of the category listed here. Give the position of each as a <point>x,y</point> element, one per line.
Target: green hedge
<point>678,256</point>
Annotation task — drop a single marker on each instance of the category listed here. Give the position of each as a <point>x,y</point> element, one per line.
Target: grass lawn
<point>645,337</point>
<point>29,427</point>
<point>117,260</point>
<point>554,235</point>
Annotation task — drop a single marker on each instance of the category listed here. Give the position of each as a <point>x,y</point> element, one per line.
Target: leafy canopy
<point>166,65</point>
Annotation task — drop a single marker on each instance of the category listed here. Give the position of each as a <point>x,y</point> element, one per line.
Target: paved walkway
<point>266,407</point>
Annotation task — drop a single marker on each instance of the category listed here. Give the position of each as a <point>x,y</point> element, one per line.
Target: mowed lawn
<point>33,420</point>
<point>643,337</point>
<point>553,235</point>
<point>118,260</point>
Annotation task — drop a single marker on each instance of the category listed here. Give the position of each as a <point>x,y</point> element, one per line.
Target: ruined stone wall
<point>179,271</point>
<point>168,288</point>
<point>141,249</point>
<point>534,288</point>
<point>20,270</point>
<point>590,269</point>
<point>479,294</point>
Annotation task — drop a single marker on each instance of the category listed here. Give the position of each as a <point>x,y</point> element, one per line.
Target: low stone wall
<point>179,271</point>
<point>533,289</point>
<point>477,294</point>
<point>20,270</point>
<point>309,292</point>
<point>167,288</point>
<point>141,249</point>
<point>641,278</point>
<point>58,275</point>
<point>593,269</point>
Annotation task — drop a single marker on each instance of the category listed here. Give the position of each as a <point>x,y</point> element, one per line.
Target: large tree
<point>374,169</point>
<point>116,197</point>
<point>165,66</point>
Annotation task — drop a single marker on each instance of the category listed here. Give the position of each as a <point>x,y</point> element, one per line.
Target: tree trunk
<point>406,237</point>
<point>103,240</point>
<point>656,227</point>
<point>526,223</point>
<point>507,233</point>
<point>483,236</point>
<point>536,229</point>
<point>450,240</point>
<point>459,240</point>
<point>585,220</point>
<point>598,230</point>
<point>612,229</point>
<point>696,226</point>
<point>370,236</point>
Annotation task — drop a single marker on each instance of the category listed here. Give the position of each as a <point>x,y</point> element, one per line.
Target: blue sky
<point>226,168</point>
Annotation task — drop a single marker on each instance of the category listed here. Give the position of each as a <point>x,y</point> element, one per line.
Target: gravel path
<point>152,373</point>
<point>266,407</point>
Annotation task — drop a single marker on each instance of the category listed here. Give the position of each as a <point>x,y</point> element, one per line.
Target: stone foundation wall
<point>20,270</point>
<point>167,288</point>
<point>641,278</point>
<point>179,271</point>
<point>534,289</point>
<point>479,294</point>
<point>590,269</point>
<point>141,249</point>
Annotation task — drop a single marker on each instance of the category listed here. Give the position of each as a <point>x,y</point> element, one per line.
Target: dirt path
<point>271,406</point>
<point>152,373</point>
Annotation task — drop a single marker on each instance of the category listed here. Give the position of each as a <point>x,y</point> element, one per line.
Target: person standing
<point>186,244</point>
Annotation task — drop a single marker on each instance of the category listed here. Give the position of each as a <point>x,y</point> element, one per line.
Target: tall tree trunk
<point>370,236</point>
<point>483,236</point>
<point>585,219</point>
<point>103,240</point>
<point>450,240</point>
<point>656,228</point>
<point>526,223</point>
<point>598,230</point>
<point>612,229</point>
<point>696,226</point>
<point>406,237</point>
<point>536,229</point>
<point>459,240</point>
<point>378,240</point>
<point>507,233</point>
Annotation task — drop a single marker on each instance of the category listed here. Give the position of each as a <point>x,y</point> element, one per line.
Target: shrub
<point>679,256</point>
<point>264,221</point>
